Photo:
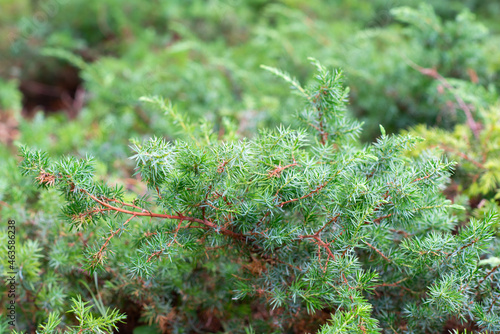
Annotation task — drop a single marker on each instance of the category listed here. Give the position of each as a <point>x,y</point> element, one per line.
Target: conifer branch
<point>144,212</point>
<point>488,275</point>
<point>377,250</point>
<point>463,156</point>
<point>276,172</point>
<point>433,73</point>
<point>315,191</point>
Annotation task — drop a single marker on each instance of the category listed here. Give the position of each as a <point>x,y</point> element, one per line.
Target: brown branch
<point>146,213</point>
<point>207,225</point>
<point>433,73</point>
<point>262,219</point>
<point>323,133</point>
<point>334,219</point>
<point>89,213</point>
<point>155,254</point>
<point>314,126</point>
<point>345,251</point>
<point>422,178</point>
<point>158,191</point>
<point>463,247</point>
<point>222,166</point>
<point>463,156</point>
<point>390,284</point>
<point>491,306</point>
<point>383,217</point>
<point>378,251</point>
<point>176,231</point>
<point>98,256</point>
<point>276,172</point>
<point>404,233</point>
<point>488,275</point>
<point>212,206</point>
<point>485,147</point>
<point>122,203</point>
<point>321,244</point>
<point>321,186</point>
<point>317,240</point>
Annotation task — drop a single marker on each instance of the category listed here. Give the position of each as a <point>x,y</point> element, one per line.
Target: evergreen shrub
<point>305,220</point>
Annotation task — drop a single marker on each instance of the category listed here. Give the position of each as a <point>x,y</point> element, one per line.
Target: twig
<point>404,233</point>
<point>433,73</point>
<point>99,255</point>
<point>463,247</point>
<point>378,251</point>
<point>276,172</point>
<point>318,188</point>
<point>391,284</point>
<point>166,216</point>
<point>383,217</point>
<point>488,275</point>
<point>462,155</point>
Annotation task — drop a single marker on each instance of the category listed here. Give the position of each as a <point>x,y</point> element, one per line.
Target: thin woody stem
<point>488,275</point>
<point>433,73</point>
<point>391,284</point>
<point>166,216</point>
<point>318,188</point>
<point>463,156</point>
<point>276,172</point>
<point>377,250</point>
<point>99,255</point>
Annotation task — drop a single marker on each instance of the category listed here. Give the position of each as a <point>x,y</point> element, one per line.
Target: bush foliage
<point>324,222</point>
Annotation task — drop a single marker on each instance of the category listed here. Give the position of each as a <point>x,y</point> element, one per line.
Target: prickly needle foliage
<point>323,222</point>
<point>87,322</point>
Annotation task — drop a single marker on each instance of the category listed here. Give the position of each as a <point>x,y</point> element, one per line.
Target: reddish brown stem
<point>390,284</point>
<point>463,156</point>
<point>433,73</point>
<point>276,172</point>
<point>404,233</point>
<point>488,274</point>
<point>166,216</point>
<point>422,178</point>
<point>321,186</point>
<point>378,251</point>
<point>383,217</point>
<point>99,255</point>
<point>317,240</point>
<point>463,247</point>
<point>334,219</point>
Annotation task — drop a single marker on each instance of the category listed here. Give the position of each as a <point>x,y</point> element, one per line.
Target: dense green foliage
<point>80,79</point>
<point>322,220</point>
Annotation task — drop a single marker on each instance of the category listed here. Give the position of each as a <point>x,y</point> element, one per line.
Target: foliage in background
<point>178,50</point>
<point>389,91</point>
